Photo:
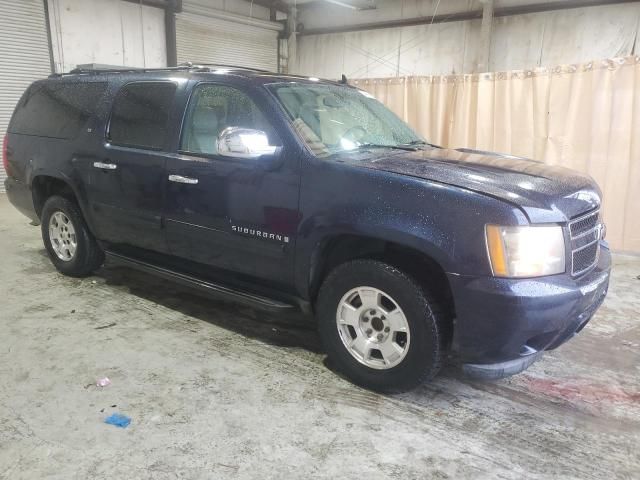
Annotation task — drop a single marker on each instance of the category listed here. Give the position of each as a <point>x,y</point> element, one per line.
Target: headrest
<point>309,108</point>
<point>206,118</point>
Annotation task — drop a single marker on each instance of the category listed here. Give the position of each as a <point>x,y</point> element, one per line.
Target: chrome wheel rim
<point>63,237</point>
<point>373,327</point>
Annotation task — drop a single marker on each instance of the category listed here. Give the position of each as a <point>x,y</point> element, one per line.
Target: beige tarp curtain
<point>585,117</point>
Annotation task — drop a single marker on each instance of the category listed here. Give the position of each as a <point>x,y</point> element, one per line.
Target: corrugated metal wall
<point>208,36</point>
<point>24,54</point>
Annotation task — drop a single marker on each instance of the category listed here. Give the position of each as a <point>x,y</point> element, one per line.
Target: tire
<point>82,254</point>
<point>411,358</point>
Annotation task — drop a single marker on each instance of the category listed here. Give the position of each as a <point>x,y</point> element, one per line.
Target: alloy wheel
<point>63,237</point>
<point>373,327</point>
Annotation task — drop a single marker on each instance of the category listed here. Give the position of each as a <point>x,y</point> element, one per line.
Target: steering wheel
<point>355,134</point>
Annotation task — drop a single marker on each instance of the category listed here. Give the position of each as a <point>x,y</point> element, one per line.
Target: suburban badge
<point>254,232</point>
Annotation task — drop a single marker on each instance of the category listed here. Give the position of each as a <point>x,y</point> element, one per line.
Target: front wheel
<point>72,248</point>
<point>379,326</point>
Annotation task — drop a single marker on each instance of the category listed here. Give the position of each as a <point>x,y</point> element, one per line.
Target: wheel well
<point>44,187</point>
<point>420,266</point>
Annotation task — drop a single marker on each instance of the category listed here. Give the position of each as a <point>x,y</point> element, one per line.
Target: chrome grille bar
<point>585,234</point>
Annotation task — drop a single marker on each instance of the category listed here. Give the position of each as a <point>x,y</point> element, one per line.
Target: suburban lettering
<point>260,234</point>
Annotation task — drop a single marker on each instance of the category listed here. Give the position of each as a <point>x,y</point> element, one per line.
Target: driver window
<point>212,109</point>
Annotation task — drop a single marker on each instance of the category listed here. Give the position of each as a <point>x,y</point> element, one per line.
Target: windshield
<point>331,118</point>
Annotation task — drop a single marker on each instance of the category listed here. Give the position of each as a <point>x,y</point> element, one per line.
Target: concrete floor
<point>215,390</point>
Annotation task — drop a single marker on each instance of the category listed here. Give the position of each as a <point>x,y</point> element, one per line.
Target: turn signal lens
<point>528,251</point>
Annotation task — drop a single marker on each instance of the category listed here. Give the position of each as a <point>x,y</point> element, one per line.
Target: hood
<point>545,193</point>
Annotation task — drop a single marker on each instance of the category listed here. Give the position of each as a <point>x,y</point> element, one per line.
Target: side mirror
<point>238,142</point>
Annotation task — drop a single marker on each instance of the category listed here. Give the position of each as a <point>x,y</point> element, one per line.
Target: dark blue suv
<point>287,191</point>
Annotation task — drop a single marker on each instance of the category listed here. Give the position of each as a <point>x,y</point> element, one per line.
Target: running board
<point>210,288</point>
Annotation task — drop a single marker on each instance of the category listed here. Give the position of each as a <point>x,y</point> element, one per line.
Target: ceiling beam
<point>172,5</point>
<point>463,16</point>
<point>279,5</point>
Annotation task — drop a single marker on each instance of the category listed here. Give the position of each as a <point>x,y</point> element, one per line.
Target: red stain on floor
<point>580,391</point>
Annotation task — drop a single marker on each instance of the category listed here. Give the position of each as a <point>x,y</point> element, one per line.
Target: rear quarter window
<point>56,110</point>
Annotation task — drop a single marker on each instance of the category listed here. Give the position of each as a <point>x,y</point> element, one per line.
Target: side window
<point>212,109</point>
<point>56,110</point>
<point>140,114</point>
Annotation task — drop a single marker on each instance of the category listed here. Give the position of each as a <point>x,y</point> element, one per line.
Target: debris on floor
<point>103,382</point>
<point>102,327</point>
<point>118,420</point>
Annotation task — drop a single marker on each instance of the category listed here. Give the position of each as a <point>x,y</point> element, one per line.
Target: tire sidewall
<point>60,204</point>
<point>422,361</point>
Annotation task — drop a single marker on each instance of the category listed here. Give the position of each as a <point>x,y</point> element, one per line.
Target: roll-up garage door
<point>24,54</point>
<point>210,36</point>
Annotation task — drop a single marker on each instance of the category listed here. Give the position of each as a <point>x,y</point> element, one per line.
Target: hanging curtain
<point>585,117</point>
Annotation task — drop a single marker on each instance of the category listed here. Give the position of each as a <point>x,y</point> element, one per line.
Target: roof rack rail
<point>79,71</point>
<point>187,66</point>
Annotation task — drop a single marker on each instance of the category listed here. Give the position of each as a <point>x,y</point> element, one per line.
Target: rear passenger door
<point>128,178</point>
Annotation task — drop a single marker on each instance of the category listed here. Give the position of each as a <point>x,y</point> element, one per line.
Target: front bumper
<point>500,322</point>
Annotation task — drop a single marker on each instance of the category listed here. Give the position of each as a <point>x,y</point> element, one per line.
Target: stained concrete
<point>215,390</point>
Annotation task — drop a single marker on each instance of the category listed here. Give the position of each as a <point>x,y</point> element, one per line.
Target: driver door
<point>231,213</point>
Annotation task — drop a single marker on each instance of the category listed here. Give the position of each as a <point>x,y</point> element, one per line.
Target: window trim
<point>107,134</point>
<point>216,156</point>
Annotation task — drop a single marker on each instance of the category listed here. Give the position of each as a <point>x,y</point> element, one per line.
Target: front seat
<point>203,137</point>
<point>309,115</point>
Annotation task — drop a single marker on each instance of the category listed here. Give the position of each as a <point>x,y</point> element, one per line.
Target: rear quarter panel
<point>33,156</point>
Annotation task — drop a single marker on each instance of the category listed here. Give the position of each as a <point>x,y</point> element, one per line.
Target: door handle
<point>181,179</point>
<point>106,166</point>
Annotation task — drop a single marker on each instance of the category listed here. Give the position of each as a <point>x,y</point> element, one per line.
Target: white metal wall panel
<point>111,32</point>
<point>210,36</point>
<point>545,39</point>
<point>24,54</point>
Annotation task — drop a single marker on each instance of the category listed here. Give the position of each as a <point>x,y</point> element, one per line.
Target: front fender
<point>443,222</point>
<point>313,246</point>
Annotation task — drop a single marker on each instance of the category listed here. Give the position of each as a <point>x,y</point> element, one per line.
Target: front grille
<point>585,258</point>
<point>585,242</point>
<point>583,224</point>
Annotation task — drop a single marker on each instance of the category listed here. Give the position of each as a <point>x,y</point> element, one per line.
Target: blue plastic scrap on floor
<point>118,420</point>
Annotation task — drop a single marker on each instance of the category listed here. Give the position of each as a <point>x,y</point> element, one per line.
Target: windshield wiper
<point>421,142</point>
<point>400,146</point>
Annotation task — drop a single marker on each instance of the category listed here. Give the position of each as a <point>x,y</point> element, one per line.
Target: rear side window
<point>56,110</point>
<point>140,114</point>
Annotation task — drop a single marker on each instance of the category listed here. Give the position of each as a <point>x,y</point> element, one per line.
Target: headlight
<point>525,251</point>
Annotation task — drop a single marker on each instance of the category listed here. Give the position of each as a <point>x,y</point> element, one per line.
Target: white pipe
<point>232,17</point>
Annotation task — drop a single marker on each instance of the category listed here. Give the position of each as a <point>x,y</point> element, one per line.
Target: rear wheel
<point>379,326</point>
<point>72,248</point>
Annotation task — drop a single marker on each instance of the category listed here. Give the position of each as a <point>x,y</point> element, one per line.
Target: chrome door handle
<point>181,179</point>
<point>107,166</point>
